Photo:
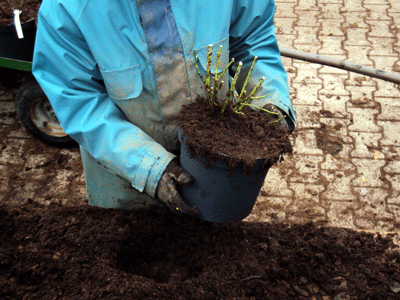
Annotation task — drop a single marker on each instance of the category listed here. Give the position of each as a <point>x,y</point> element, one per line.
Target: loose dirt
<point>29,9</point>
<point>58,252</point>
<point>241,138</point>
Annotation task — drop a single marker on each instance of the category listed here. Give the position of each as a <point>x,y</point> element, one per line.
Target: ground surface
<point>351,181</point>
<point>344,172</point>
<point>81,252</point>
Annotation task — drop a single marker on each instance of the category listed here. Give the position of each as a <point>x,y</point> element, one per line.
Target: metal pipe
<point>340,64</point>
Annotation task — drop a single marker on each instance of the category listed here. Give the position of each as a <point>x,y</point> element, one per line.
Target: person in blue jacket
<point>117,73</point>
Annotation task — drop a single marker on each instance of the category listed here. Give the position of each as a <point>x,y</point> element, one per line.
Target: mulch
<point>83,252</point>
<point>238,140</point>
<point>29,10</point>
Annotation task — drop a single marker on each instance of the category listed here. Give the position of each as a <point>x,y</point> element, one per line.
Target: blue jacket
<point>117,76</point>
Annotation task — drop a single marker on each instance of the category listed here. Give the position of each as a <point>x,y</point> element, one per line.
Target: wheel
<point>36,114</point>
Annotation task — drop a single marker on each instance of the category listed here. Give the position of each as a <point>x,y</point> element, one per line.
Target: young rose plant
<point>235,103</point>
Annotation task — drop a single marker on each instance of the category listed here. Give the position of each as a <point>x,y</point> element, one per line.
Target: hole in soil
<point>154,258</point>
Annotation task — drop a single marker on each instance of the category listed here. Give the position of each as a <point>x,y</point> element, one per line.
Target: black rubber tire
<point>30,94</point>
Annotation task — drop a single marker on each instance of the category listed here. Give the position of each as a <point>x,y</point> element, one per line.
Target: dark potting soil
<point>29,10</point>
<point>83,252</point>
<point>242,138</point>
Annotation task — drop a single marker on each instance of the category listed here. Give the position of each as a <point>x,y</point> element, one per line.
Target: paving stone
<point>306,143</point>
<point>394,180</point>
<point>331,11</point>
<point>382,46</point>
<point>395,209</point>
<point>370,169</point>
<point>385,63</point>
<point>355,17</point>
<point>340,214</point>
<point>306,73</point>
<point>365,144</point>
<point>352,7</point>
<point>333,85</point>
<point>359,55</point>
<point>306,16</point>
<point>379,225</point>
<point>285,10</point>
<point>390,109</point>
<point>276,183</point>
<point>334,103</point>
<point>361,94</point>
<point>332,45</point>
<point>308,116</point>
<point>394,7</point>
<point>307,35</point>
<point>380,28</point>
<point>270,209</point>
<point>338,185</point>
<point>390,133</point>
<point>306,169</point>
<point>372,204</point>
<point>377,11</point>
<point>312,48</point>
<point>395,15</point>
<point>306,191</point>
<point>356,36</point>
<point>360,80</point>
<point>331,27</point>
<point>303,211</point>
<point>11,153</point>
<point>306,5</point>
<point>363,120</point>
<point>284,25</point>
<point>307,94</point>
<point>286,40</point>
<point>387,89</point>
<point>392,167</point>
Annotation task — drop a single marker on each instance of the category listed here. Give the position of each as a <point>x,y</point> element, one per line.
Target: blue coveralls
<point>118,72</point>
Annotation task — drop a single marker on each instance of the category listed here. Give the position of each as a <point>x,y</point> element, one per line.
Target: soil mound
<point>86,252</point>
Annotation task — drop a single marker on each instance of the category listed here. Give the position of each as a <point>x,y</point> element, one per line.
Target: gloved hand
<point>285,122</point>
<point>167,189</point>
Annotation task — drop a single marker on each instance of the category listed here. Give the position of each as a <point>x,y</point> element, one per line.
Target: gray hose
<point>337,63</point>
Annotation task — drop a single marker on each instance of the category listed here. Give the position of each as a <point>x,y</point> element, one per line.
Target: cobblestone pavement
<point>345,170</point>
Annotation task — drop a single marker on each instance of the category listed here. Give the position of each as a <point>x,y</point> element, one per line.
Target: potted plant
<point>228,146</point>
<point>18,28</point>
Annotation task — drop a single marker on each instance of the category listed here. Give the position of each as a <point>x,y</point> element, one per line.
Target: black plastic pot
<point>12,47</point>
<point>218,196</point>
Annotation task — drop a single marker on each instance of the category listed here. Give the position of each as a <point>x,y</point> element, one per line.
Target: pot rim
<point>7,28</point>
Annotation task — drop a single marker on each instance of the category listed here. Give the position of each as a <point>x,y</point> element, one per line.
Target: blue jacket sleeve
<point>252,33</point>
<point>68,74</point>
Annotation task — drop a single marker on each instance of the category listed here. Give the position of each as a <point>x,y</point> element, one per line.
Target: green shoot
<point>237,105</point>
<point>11,4</point>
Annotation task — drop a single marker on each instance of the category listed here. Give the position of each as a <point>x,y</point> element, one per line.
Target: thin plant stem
<point>216,77</point>
<point>197,66</point>
<point>208,73</point>
<point>246,100</point>
<point>242,100</point>
<point>263,109</point>
<point>247,78</point>
<point>231,90</point>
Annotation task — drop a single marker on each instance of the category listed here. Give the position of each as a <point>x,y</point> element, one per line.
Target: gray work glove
<point>167,191</point>
<point>285,122</point>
